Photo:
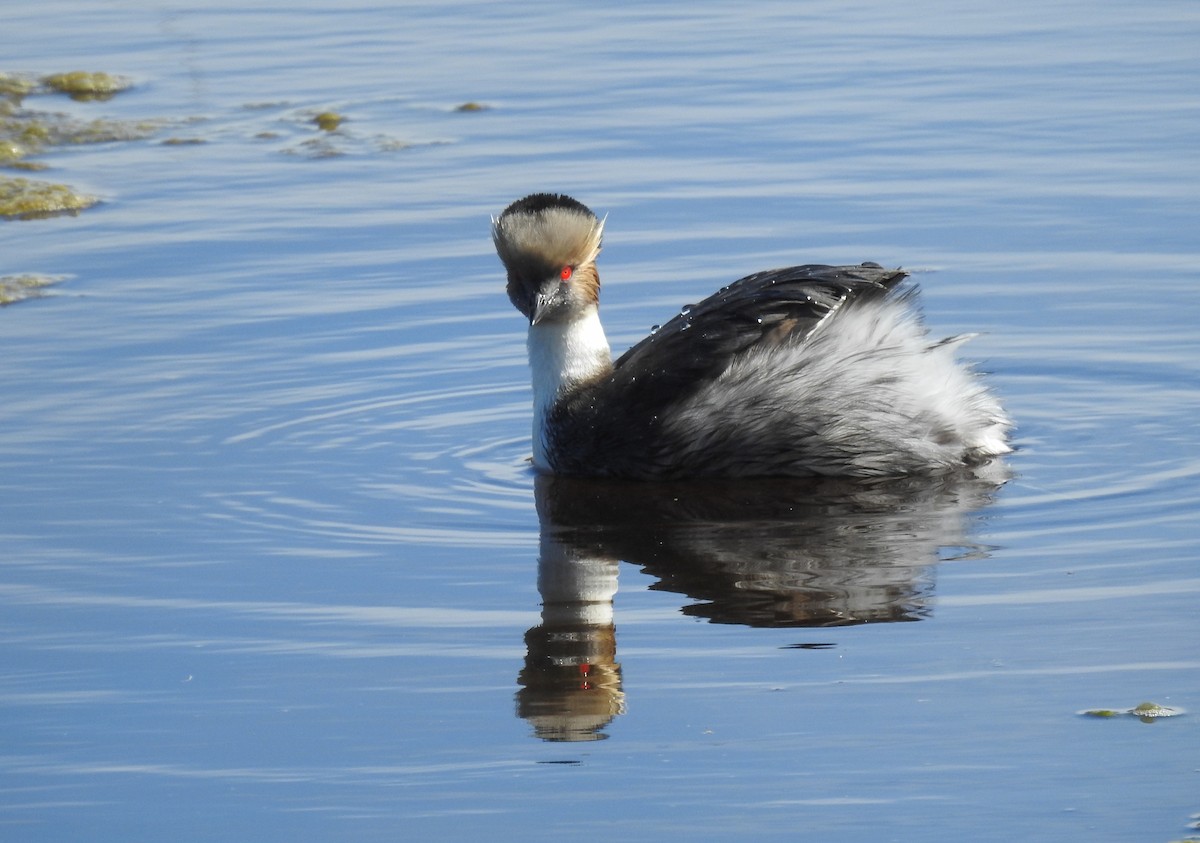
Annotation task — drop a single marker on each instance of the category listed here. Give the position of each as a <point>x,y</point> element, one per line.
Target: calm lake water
<point>274,565</point>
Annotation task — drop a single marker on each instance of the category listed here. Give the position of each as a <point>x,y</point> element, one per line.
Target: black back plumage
<point>775,307</point>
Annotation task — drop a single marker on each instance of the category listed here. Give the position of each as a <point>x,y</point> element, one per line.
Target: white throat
<point>562,355</point>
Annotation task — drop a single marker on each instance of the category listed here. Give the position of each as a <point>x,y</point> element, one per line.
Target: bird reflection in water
<point>761,553</point>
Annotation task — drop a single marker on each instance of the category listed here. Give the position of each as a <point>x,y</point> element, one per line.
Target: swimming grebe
<point>808,370</point>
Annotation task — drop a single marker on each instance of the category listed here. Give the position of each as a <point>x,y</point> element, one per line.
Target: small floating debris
<point>27,199</point>
<point>15,288</point>
<point>472,106</point>
<point>82,85</point>
<point>1147,712</point>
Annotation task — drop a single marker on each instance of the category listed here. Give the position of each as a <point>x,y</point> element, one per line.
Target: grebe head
<point>549,243</point>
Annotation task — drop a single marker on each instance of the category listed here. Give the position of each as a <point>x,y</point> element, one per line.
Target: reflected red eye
<point>567,272</point>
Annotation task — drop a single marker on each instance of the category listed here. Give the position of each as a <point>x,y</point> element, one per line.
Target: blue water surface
<point>274,567</point>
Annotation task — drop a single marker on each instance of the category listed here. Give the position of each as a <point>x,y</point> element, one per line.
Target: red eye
<point>567,272</point>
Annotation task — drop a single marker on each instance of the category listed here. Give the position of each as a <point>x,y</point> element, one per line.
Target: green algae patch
<point>83,85</point>
<point>14,87</point>
<point>335,137</point>
<point>1147,712</point>
<point>26,199</point>
<point>24,132</point>
<point>1152,710</point>
<point>316,148</point>
<point>328,121</point>
<point>15,288</point>
<point>57,130</point>
<point>10,152</point>
<point>27,166</point>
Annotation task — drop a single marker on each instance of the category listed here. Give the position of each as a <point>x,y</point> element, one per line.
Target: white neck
<point>562,355</point>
